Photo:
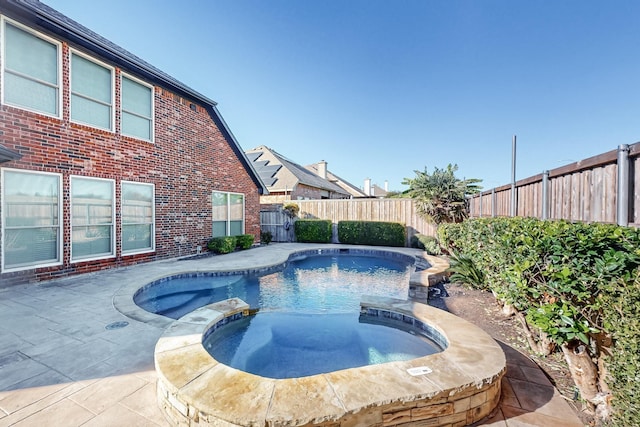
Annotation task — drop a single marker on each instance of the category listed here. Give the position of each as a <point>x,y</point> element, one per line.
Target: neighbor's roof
<point>51,21</point>
<point>345,185</point>
<point>378,191</point>
<point>272,169</point>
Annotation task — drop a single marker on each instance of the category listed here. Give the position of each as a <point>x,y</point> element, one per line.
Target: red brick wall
<point>187,161</point>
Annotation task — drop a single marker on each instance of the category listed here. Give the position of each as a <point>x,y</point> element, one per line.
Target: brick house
<point>105,160</point>
<point>287,180</point>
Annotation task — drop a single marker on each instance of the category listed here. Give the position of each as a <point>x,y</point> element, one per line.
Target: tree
<point>395,195</point>
<point>441,197</point>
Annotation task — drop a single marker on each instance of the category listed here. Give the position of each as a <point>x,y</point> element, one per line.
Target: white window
<point>228,213</point>
<point>30,70</point>
<point>31,212</point>
<point>91,92</point>
<point>92,218</point>
<point>138,217</point>
<point>137,109</point>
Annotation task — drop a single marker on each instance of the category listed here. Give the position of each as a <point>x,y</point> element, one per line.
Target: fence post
<point>480,207</point>
<point>545,195</point>
<point>514,201</point>
<point>493,202</point>
<point>623,185</point>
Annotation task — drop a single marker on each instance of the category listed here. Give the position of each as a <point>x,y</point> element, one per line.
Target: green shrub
<point>429,244</point>
<point>464,271</point>
<point>222,245</point>
<point>266,237</point>
<point>574,283</point>
<point>375,233</point>
<point>622,317</point>
<point>245,241</point>
<point>313,230</point>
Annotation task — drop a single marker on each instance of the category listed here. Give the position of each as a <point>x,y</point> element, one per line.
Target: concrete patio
<point>65,362</point>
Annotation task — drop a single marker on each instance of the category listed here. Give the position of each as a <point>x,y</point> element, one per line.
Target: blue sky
<point>380,89</point>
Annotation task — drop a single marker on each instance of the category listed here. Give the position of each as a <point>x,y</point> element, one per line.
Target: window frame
<point>112,236</point>
<point>60,225</point>
<point>59,87</point>
<point>112,70</point>
<point>228,220</point>
<point>152,119</point>
<point>153,218</point>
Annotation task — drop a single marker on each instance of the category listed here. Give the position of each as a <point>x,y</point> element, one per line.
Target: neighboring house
<point>321,170</point>
<point>105,160</point>
<point>373,190</point>
<point>378,192</point>
<point>287,180</point>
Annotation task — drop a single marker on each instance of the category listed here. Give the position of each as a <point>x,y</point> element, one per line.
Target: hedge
<point>375,233</point>
<point>313,230</point>
<point>245,241</point>
<point>222,245</point>
<point>227,244</point>
<point>575,286</point>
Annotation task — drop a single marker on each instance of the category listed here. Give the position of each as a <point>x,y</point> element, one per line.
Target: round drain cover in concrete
<point>116,325</point>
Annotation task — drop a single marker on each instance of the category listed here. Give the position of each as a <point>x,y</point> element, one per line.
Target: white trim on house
<point>60,227</point>
<point>228,219</point>
<point>152,124</point>
<point>59,84</point>
<point>112,105</point>
<point>103,255</point>
<point>153,219</point>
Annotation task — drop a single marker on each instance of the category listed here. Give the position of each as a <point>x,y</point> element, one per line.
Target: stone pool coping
<point>463,387</point>
<point>429,270</point>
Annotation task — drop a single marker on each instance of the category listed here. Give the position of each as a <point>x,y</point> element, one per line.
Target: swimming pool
<point>293,345</point>
<point>308,320</point>
<point>319,281</point>
<point>460,384</point>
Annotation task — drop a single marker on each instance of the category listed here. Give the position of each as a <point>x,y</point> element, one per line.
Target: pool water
<point>318,283</point>
<point>291,345</point>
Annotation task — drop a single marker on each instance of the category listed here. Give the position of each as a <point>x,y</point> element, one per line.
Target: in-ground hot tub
<point>457,386</point>
<point>283,345</point>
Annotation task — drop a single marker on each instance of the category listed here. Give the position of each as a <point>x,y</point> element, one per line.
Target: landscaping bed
<point>481,308</point>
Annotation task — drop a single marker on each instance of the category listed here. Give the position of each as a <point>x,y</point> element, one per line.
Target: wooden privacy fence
<point>274,220</point>
<point>391,210</point>
<point>597,189</point>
